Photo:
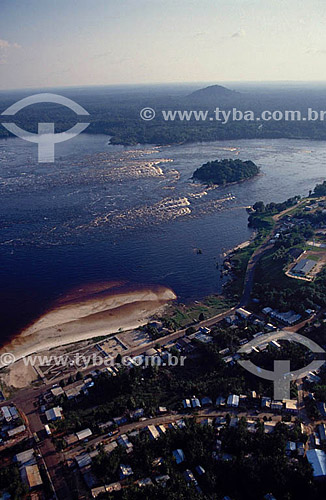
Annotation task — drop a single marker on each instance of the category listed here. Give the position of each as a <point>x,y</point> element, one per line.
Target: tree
<point>11,482</point>
<point>259,207</point>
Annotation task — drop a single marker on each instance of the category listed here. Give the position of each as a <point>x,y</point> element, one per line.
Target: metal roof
<point>16,430</point>
<point>54,413</point>
<point>85,433</point>
<point>304,266</point>
<point>83,460</point>
<point>33,476</point>
<point>317,458</point>
<point>179,455</point>
<point>233,400</point>
<point>153,431</point>
<point>25,456</point>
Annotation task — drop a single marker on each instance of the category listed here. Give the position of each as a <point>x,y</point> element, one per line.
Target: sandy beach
<point>91,311</point>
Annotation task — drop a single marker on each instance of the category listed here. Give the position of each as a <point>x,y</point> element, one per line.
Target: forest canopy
<point>225,171</point>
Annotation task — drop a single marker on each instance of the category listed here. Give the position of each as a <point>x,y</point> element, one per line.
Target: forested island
<point>225,171</point>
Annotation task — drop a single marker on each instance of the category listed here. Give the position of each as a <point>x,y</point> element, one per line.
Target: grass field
<point>312,256</point>
<point>272,271</point>
<point>184,315</point>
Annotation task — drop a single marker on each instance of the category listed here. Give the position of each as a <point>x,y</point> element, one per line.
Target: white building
<point>6,413</point>
<point>291,406</point>
<point>125,443</point>
<point>289,317</point>
<point>317,458</point>
<point>57,391</point>
<point>153,432</point>
<point>84,434</point>
<point>54,414</point>
<point>243,313</point>
<point>161,429</point>
<point>26,457</point>
<point>30,474</point>
<point>16,430</point>
<point>195,402</point>
<point>233,400</point>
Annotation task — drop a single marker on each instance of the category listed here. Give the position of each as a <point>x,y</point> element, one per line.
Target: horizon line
<point>153,84</point>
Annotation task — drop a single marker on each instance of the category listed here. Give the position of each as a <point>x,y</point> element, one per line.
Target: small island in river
<point>225,171</point>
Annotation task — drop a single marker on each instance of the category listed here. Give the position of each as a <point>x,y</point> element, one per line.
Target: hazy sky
<point>86,42</point>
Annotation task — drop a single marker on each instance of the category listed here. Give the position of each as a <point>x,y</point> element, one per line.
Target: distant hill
<point>213,92</point>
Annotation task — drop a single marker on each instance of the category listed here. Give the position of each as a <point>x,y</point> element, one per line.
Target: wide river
<point>104,213</point>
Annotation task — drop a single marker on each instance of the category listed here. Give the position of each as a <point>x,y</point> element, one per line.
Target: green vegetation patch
<point>183,315</point>
<point>320,190</point>
<point>223,172</point>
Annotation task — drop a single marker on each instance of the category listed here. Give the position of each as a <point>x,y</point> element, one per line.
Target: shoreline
<point>240,246</point>
<point>185,142</point>
<point>99,310</point>
<point>212,184</point>
<point>96,310</point>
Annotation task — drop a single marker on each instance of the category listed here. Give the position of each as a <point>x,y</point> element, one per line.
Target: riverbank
<point>92,311</point>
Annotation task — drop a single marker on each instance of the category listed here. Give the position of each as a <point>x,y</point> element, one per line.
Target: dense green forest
<point>225,171</point>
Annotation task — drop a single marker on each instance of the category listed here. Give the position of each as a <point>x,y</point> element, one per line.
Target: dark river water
<point>101,213</point>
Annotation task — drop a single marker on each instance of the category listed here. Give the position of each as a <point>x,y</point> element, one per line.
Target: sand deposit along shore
<point>88,312</point>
